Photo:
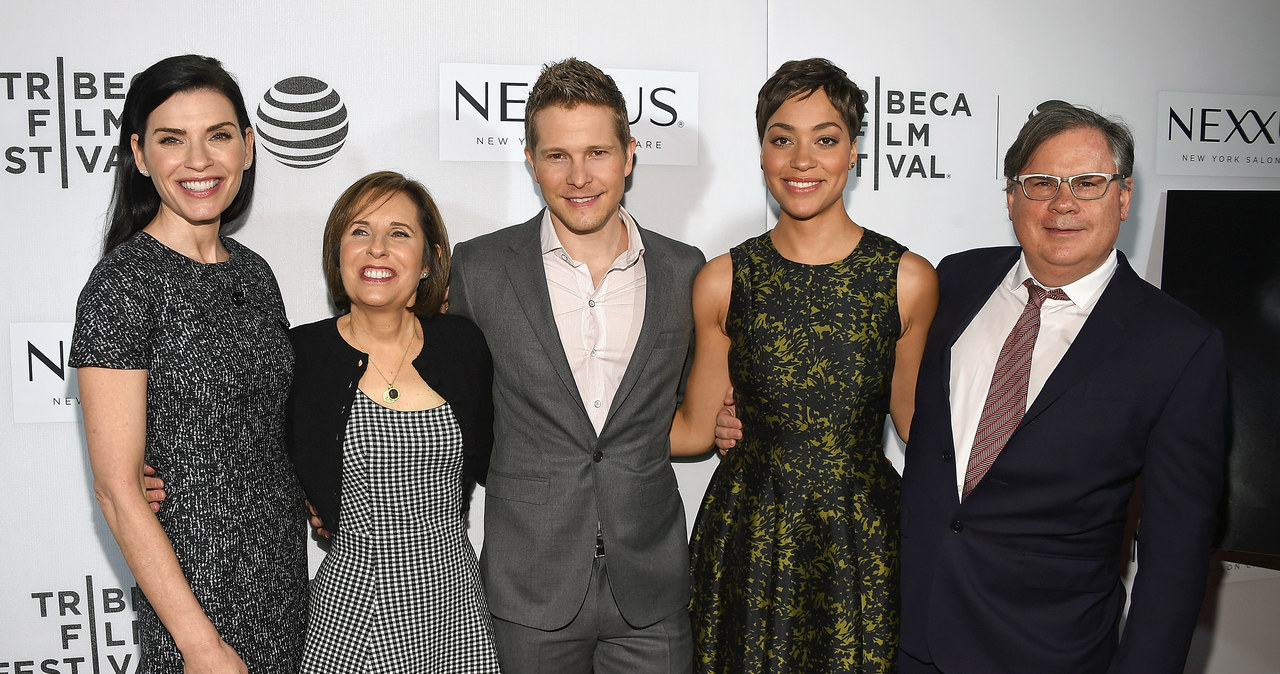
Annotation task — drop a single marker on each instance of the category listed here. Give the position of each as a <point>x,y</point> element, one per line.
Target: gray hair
<point>1052,120</point>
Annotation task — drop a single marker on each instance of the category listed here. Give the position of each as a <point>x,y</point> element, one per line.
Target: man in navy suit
<point>1013,564</point>
<point>1012,553</point>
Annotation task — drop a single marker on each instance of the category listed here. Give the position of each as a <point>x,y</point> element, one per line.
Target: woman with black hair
<point>184,363</point>
<point>819,325</point>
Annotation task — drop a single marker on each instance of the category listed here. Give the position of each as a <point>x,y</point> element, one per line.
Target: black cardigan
<point>454,361</point>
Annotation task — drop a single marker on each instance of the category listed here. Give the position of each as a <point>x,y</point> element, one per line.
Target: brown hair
<point>568,84</point>
<point>801,79</point>
<point>375,188</point>
<point>1057,117</point>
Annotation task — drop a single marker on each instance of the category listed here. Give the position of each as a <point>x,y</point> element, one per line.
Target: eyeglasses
<point>1086,186</point>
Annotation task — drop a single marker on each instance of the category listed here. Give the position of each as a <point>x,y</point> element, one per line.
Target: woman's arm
<point>693,429</point>
<point>917,302</point>
<point>115,423</point>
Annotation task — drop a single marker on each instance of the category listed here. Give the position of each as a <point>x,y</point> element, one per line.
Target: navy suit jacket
<point>1024,575</point>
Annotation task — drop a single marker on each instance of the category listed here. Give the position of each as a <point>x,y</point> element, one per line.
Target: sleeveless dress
<point>400,589</point>
<point>795,548</point>
<point>212,339</point>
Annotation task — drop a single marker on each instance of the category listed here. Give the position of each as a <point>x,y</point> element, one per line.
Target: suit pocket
<point>1073,574</point>
<point>656,491</point>
<point>1115,390</point>
<point>671,339</point>
<point>522,489</point>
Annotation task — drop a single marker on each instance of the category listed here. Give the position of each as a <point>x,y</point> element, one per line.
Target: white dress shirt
<point>974,355</point>
<point>598,325</point>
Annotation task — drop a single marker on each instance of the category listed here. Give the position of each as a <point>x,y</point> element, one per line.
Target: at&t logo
<point>302,122</point>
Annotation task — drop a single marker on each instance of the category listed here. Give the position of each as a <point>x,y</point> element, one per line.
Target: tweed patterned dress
<point>795,548</point>
<point>400,590</point>
<point>212,339</point>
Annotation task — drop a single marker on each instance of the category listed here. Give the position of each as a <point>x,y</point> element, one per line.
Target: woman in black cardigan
<point>382,451</point>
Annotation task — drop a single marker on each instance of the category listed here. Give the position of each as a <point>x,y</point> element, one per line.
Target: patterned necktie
<point>1007,398</point>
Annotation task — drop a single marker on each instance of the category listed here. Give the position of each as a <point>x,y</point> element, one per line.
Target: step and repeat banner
<point>437,91</point>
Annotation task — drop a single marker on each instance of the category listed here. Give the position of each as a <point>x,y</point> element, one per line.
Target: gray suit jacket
<point>550,478</point>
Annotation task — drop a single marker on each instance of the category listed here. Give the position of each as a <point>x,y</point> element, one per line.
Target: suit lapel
<point>657,294</point>
<point>973,291</point>
<point>528,280</point>
<point>1105,330</point>
<point>967,289</point>
<point>964,292</point>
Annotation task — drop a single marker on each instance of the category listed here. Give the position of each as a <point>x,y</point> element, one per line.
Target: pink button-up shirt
<point>598,325</point>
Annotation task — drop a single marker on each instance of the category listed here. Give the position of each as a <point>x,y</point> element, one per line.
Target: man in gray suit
<point>585,558</point>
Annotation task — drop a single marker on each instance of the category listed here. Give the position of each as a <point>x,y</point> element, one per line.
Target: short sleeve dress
<point>795,548</point>
<point>212,339</point>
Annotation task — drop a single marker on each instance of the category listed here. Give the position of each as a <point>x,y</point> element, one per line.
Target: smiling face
<point>196,155</point>
<point>805,156</point>
<point>1065,238</point>
<point>580,165</point>
<point>381,254</point>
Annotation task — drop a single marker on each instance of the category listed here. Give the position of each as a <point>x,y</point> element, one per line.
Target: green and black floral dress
<point>795,549</point>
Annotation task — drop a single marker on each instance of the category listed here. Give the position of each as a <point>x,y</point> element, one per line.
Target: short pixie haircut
<point>568,84</point>
<point>803,78</point>
<point>373,189</point>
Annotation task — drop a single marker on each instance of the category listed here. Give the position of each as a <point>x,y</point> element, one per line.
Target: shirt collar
<point>1084,291</point>
<point>550,241</point>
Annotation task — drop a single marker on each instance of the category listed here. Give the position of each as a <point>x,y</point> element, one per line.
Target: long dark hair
<point>134,200</point>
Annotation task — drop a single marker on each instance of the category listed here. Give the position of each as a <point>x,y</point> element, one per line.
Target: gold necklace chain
<point>391,394</point>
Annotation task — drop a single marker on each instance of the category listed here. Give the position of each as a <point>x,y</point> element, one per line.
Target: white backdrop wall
<point>949,85</point>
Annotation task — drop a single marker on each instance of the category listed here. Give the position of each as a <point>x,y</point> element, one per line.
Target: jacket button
<point>597,456</point>
<point>948,455</point>
<point>957,526</point>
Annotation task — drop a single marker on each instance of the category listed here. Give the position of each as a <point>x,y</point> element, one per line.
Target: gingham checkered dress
<point>400,590</point>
